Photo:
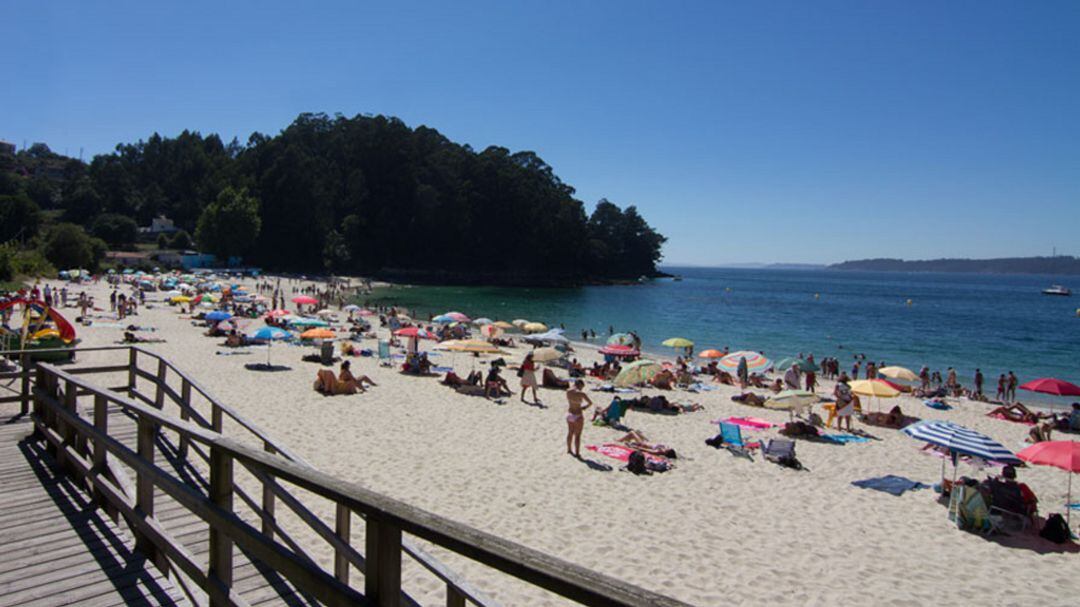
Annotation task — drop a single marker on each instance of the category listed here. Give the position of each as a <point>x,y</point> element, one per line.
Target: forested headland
<point>1060,264</point>
<point>366,195</point>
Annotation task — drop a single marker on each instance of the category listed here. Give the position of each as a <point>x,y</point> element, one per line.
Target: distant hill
<point>1061,264</point>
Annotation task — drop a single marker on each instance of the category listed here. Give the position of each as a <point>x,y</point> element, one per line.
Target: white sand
<point>716,530</point>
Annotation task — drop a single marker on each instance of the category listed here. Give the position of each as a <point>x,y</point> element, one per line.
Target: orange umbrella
<point>318,333</point>
<point>711,354</point>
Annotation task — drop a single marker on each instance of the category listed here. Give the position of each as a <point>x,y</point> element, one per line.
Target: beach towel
<point>751,423</point>
<point>1075,506</point>
<point>843,439</point>
<point>937,404</point>
<point>611,388</point>
<point>620,452</point>
<point>442,369</point>
<point>1003,418</point>
<point>890,483</point>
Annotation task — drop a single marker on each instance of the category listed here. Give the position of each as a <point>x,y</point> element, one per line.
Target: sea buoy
<point>909,302</point>
<point>1078,312</point>
<point>817,295</point>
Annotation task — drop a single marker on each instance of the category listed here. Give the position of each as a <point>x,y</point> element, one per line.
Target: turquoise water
<point>995,322</point>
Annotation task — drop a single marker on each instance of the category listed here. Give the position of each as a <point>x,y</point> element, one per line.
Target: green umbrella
<point>678,342</point>
<point>308,322</point>
<point>804,365</point>
<point>637,373</point>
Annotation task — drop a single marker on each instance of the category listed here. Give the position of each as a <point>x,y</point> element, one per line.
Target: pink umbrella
<point>617,350</point>
<point>1060,454</point>
<point>1050,385</point>
<point>415,332</point>
<point>305,300</point>
<point>456,316</point>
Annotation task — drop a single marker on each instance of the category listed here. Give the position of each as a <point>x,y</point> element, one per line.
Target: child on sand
<point>575,419</point>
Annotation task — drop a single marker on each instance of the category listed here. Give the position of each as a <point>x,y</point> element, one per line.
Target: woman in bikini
<point>575,419</point>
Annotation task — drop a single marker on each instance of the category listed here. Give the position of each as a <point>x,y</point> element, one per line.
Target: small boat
<point>1057,290</point>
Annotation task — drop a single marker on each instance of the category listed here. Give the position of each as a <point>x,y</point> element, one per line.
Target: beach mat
<point>751,423</point>
<point>843,439</point>
<point>934,404</point>
<point>892,484</point>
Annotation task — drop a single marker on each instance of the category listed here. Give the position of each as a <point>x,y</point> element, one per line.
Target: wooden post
<point>221,493</point>
<point>133,364</point>
<point>268,499</point>
<point>101,423</point>
<point>144,483</point>
<point>41,383</point>
<point>343,528</point>
<point>24,364</point>
<point>453,597</point>
<point>66,431</point>
<point>217,420</point>
<point>159,396</point>
<point>185,414</point>
<point>382,580</point>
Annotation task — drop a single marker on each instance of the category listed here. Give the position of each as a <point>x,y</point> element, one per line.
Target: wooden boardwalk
<point>56,548</point>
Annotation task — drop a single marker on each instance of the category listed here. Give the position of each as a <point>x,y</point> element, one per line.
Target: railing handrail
<point>530,565</point>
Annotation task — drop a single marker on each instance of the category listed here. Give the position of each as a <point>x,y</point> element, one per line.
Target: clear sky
<point>746,132</point>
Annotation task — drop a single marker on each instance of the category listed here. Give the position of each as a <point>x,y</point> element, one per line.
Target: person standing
<point>924,378</point>
<point>978,382</point>
<point>1000,396</point>
<point>950,380</point>
<point>528,377</point>
<point>1010,392</point>
<point>743,371</point>
<point>845,403</point>
<point>575,417</point>
<point>855,368</point>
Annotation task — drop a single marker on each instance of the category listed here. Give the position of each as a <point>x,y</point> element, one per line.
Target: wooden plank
<point>221,494</point>
<point>343,529</point>
<point>382,580</point>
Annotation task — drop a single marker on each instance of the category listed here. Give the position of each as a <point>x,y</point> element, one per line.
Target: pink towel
<point>753,423</point>
<point>619,452</point>
<point>1003,418</point>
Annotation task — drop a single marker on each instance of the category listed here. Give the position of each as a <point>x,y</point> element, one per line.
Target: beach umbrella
<point>270,335</point>
<point>305,300</point>
<point>1060,454</point>
<point>550,336</point>
<point>180,299</point>
<point>792,400</point>
<point>785,363</point>
<point>960,440</point>
<point>519,322</point>
<point>278,313</point>
<point>456,317</point>
<point>324,313</point>
<point>677,342</point>
<point>534,327</point>
<point>898,373</point>
<point>318,333</point>
<point>415,332</point>
<point>505,326</point>
<point>711,354</point>
<point>637,372</point>
<point>1050,385</point>
<point>490,331</point>
<point>482,321</point>
<point>352,308</point>
<point>621,339</point>
<point>469,345</point>
<point>174,293</point>
<point>443,319</point>
<point>365,312</point>
<point>544,355</point>
<point>303,321</point>
<point>218,316</point>
<point>873,387</point>
<point>755,362</point>
<point>617,350</point>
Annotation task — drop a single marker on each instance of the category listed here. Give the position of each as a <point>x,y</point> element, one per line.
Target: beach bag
<point>636,463</point>
<point>1055,529</point>
<point>521,372</point>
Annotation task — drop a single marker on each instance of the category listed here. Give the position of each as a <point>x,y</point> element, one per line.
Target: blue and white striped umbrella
<point>961,440</point>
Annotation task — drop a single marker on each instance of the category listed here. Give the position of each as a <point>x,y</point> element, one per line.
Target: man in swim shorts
<point>575,418</point>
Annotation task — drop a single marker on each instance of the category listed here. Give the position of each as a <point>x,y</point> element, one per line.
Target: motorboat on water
<point>1056,290</point>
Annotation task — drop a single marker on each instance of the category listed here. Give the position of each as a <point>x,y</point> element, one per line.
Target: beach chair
<point>782,451</point>
<point>615,412</point>
<point>384,354</point>
<point>968,510</point>
<point>732,440</point>
<point>1007,502</point>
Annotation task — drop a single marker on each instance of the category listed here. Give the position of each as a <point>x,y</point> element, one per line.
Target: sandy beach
<point>717,529</point>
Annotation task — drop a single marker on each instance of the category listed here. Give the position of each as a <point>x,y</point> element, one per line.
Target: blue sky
<point>746,132</point>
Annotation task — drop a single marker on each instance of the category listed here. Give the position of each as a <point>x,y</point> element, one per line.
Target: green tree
<point>68,246</point>
<point>162,241</point>
<point>181,240</point>
<point>117,230</point>
<point>19,217</point>
<point>7,259</point>
<point>229,225</point>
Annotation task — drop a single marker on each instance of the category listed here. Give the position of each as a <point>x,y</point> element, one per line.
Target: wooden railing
<point>86,448</point>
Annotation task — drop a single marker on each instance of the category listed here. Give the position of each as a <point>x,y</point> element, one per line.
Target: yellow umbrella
<point>502,324</point>
<point>678,342</point>
<point>898,373</point>
<point>534,327</point>
<point>870,387</point>
<point>180,299</point>
<point>519,322</point>
<point>470,345</point>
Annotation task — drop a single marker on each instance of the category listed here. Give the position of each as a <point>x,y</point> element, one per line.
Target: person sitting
<point>749,398</point>
<point>777,386</point>
<point>453,380</point>
<point>575,369</point>
<point>349,383</point>
<point>1041,432</point>
<point>494,385</point>
<point>1011,496</point>
<point>1074,418</point>
<point>895,418</point>
<point>550,380</point>
<point>663,380</point>
<point>325,382</point>
<point>234,340</point>
<point>724,377</point>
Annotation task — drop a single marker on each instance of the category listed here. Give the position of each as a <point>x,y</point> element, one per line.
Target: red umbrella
<point>1058,453</point>
<point>617,350</point>
<point>1050,385</point>
<point>415,332</point>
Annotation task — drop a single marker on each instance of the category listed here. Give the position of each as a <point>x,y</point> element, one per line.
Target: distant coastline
<point>1061,265</point>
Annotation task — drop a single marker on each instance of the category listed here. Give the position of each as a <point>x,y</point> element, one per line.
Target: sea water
<point>994,322</point>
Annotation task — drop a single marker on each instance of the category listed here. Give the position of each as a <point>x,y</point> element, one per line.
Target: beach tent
<point>637,372</point>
